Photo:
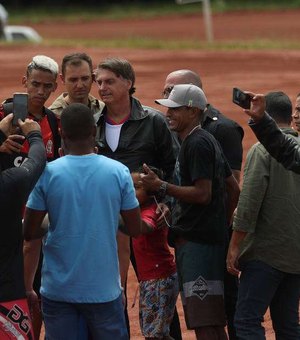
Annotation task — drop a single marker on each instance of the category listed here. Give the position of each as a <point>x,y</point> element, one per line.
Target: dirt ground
<point>220,71</point>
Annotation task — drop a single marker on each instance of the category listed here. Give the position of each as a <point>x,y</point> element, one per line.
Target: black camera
<point>241,98</point>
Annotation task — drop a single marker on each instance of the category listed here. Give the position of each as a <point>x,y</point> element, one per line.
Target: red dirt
<point>220,71</point>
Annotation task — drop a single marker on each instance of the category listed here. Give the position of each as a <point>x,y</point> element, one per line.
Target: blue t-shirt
<point>83,196</point>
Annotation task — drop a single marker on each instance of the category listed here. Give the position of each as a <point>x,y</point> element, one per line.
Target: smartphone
<point>241,98</point>
<point>20,107</point>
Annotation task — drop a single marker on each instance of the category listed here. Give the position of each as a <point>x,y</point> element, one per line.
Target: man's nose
<point>41,89</point>
<point>79,83</point>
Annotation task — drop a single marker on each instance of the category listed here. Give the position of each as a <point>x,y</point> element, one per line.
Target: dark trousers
<point>230,299</point>
<point>262,286</point>
<point>231,283</point>
<point>65,320</point>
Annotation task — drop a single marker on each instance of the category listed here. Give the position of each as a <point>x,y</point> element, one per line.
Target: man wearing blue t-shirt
<point>83,194</point>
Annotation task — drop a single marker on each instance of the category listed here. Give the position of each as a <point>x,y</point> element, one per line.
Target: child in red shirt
<point>156,269</point>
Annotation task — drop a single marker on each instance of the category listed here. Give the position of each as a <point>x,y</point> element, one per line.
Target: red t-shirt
<point>17,159</point>
<point>47,138</point>
<point>153,256</point>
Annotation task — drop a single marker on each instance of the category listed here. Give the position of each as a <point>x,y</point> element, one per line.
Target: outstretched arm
<point>279,145</point>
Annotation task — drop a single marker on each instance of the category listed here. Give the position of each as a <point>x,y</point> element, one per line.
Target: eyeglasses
<point>166,92</point>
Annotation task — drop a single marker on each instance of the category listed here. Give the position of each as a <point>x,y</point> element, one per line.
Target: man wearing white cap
<point>230,135</point>
<point>204,180</point>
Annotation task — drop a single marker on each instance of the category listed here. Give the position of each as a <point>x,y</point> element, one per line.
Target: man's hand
<point>232,260</point>
<point>33,303</point>
<point>12,144</point>
<point>258,106</point>
<point>234,252</point>
<point>5,124</point>
<point>150,180</point>
<point>28,126</point>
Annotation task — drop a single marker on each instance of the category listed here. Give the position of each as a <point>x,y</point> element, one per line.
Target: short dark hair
<point>158,172</point>
<point>279,107</point>
<point>77,121</point>
<point>120,67</point>
<point>75,59</point>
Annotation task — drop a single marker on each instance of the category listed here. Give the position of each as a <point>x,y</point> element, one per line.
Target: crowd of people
<point>89,184</point>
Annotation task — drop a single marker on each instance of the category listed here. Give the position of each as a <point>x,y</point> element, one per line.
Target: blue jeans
<point>262,286</point>
<point>65,320</point>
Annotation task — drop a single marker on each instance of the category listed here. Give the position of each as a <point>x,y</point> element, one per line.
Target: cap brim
<point>167,103</point>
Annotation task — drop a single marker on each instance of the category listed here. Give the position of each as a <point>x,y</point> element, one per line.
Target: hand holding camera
<point>241,98</point>
<point>28,126</point>
<point>20,112</point>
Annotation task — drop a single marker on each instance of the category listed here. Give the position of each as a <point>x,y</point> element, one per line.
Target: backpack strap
<point>7,106</point>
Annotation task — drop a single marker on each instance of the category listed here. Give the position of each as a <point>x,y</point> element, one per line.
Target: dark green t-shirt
<point>269,211</point>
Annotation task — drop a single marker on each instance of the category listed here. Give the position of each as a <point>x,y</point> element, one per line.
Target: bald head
<point>181,77</point>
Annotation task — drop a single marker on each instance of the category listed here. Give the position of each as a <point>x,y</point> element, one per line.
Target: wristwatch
<point>162,189</point>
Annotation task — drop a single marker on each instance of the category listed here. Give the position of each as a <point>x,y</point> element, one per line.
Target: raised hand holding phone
<point>20,107</point>
<point>241,98</point>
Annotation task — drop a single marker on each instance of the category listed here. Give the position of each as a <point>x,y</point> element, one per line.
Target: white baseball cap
<point>185,95</point>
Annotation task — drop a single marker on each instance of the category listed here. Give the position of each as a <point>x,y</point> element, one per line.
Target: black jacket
<point>144,138</point>
<point>228,133</point>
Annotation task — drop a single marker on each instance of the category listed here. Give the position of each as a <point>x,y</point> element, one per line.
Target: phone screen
<point>20,107</point>
<point>241,98</point>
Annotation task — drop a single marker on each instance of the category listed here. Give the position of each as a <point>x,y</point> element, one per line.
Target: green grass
<point>174,45</point>
<point>164,7</point>
<point>141,10</point>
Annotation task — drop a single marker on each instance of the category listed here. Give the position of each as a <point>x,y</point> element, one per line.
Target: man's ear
<point>61,152</point>
<point>62,78</point>
<point>54,87</point>
<point>195,112</point>
<point>129,82</point>
<point>24,81</point>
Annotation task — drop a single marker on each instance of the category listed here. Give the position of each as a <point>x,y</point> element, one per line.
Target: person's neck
<point>36,111</point>
<point>80,150</point>
<point>148,202</point>
<point>189,130</point>
<point>117,112</point>
<point>78,147</point>
<point>70,100</point>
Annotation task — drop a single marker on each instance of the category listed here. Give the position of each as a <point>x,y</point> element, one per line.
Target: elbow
<point>28,235</point>
<point>203,199</point>
<point>138,230</point>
